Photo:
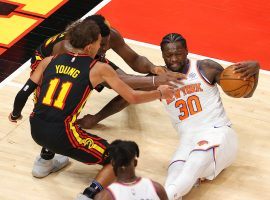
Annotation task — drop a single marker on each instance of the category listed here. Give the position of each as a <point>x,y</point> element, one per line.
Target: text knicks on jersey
<point>185,90</point>
<point>186,99</point>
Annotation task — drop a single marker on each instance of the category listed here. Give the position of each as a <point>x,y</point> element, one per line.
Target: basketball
<point>233,85</point>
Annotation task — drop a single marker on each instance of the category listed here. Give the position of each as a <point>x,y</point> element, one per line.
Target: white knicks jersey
<point>196,104</point>
<point>142,189</point>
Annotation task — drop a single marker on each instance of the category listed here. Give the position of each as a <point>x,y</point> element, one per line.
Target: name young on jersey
<point>71,71</point>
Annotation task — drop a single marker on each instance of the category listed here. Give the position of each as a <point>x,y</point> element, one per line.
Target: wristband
<point>153,80</point>
<point>160,94</point>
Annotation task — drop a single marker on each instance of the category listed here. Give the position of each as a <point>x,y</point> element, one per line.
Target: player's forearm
<point>22,97</point>
<point>142,65</point>
<point>139,82</point>
<point>143,96</point>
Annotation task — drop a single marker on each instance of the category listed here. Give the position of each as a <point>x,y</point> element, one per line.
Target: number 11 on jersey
<point>59,102</point>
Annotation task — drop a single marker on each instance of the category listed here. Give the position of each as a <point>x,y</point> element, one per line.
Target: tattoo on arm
<point>211,70</point>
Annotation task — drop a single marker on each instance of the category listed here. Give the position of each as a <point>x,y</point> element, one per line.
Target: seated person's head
<point>174,51</point>
<point>123,155</point>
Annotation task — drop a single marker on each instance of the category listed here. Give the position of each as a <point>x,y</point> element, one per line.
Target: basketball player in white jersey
<point>208,144</point>
<point>123,156</point>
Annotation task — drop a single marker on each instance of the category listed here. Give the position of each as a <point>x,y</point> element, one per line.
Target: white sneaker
<point>82,197</point>
<point>44,167</point>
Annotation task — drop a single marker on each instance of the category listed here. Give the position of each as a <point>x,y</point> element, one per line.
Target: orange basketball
<point>233,85</point>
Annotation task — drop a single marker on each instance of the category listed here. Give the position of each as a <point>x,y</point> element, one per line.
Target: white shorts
<point>222,141</point>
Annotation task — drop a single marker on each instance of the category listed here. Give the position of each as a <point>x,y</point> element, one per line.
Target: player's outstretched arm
<point>141,82</point>
<point>27,90</point>
<point>212,71</point>
<point>137,62</point>
<point>103,72</point>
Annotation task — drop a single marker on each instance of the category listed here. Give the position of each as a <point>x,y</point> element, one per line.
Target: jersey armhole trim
<point>90,67</point>
<point>203,77</point>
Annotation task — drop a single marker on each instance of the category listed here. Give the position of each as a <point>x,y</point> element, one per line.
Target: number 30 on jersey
<point>189,107</point>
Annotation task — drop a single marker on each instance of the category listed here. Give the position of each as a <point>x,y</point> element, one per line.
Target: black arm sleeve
<point>22,97</point>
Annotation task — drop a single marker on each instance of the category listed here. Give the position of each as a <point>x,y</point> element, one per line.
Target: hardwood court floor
<point>148,124</point>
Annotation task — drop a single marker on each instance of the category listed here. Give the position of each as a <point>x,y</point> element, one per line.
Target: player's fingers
<point>244,75</point>
<point>177,81</point>
<point>237,64</point>
<point>177,75</point>
<point>79,121</point>
<point>240,70</point>
<point>11,120</point>
<point>247,77</point>
<point>86,116</point>
<point>171,87</point>
<point>236,67</point>
<point>172,84</point>
<point>163,69</point>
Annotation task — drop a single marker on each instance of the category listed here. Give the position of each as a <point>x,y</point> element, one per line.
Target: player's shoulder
<point>47,60</point>
<point>210,69</point>
<point>101,66</point>
<point>208,64</point>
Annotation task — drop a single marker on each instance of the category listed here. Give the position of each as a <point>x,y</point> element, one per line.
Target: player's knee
<point>202,158</point>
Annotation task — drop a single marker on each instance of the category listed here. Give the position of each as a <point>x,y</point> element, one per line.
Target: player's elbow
<point>133,99</point>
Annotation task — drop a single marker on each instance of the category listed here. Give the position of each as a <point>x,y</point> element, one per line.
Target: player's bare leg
<point>115,105</point>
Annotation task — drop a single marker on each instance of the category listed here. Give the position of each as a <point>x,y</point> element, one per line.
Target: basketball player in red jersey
<point>208,143</point>
<point>124,155</point>
<point>111,39</point>
<point>66,84</point>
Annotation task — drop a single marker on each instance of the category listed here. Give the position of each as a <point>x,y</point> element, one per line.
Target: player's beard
<point>177,67</point>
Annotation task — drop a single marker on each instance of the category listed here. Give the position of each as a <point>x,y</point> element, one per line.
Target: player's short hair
<point>102,23</point>
<point>121,153</point>
<point>82,33</point>
<point>171,38</point>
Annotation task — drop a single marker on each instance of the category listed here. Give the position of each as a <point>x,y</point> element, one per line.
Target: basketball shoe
<point>44,167</point>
